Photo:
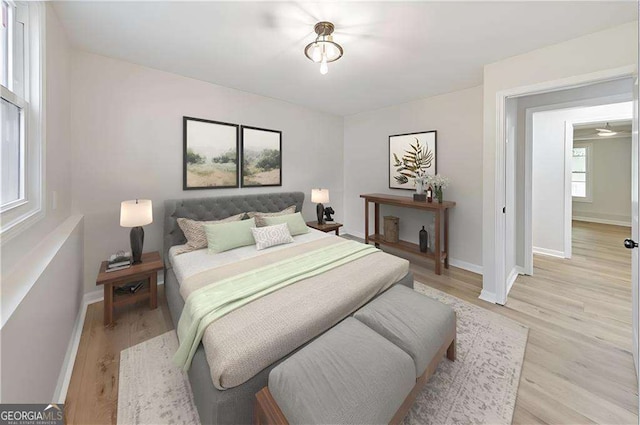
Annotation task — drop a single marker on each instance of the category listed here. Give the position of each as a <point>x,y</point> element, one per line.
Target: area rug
<point>480,387</point>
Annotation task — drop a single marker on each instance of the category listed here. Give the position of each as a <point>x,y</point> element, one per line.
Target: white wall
<point>35,339</point>
<point>549,215</point>
<point>127,135</point>
<point>611,189</point>
<point>458,119</point>
<point>616,47</point>
<point>42,266</point>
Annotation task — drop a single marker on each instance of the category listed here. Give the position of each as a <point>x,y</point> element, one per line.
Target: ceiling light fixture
<point>323,50</point>
<point>606,131</point>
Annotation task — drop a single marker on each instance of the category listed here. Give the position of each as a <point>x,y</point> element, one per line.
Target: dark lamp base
<point>137,240</point>
<point>320,213</point>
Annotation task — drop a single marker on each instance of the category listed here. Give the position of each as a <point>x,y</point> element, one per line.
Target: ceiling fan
<point>608,131</point>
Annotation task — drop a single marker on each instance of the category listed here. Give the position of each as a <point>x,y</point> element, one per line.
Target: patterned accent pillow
<point>269,236</point>
<point>194,232</point>
<point>260,215</point>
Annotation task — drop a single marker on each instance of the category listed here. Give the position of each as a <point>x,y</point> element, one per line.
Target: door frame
<point>527,267</point>
<point>500,159</point>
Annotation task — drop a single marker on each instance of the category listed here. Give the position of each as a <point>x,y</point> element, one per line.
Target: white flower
<point>438,181</point>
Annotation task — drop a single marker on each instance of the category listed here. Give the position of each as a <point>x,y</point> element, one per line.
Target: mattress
<point>191,263</point>
<point>245,341</point>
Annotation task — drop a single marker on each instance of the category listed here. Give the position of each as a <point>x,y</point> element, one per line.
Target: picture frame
<point>404,149</point>
<point>261,157</point>
<point>211,153</point>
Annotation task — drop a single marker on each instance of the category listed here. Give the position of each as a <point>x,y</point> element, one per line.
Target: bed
<point>224,394</point>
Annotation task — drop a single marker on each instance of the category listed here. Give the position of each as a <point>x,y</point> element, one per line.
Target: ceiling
<point>394,52</point>
<point>588,131</point>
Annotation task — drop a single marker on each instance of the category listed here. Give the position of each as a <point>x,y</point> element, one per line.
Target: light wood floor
<point>578,365</point>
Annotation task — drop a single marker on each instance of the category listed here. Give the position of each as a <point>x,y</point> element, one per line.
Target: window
<point>20,124</point>
<point>581,173</point>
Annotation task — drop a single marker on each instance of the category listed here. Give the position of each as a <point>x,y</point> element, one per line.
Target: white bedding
<point>191,263</point>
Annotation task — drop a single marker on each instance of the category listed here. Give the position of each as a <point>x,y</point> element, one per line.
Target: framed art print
<point>210,154</point>
<point>411,155</point>
<point>261,157</point>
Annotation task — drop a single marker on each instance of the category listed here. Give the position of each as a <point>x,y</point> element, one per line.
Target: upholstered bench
<point>368,369</point>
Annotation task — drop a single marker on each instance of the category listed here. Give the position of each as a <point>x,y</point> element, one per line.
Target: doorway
<point>518,154</point>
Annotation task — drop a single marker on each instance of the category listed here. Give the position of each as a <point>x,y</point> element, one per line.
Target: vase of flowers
<point>438,182</point>
<point>420,184</point>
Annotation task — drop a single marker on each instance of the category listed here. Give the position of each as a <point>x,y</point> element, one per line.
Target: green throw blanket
<point>208,304</point>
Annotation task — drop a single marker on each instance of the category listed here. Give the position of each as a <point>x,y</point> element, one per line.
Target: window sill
<point>20,224</point>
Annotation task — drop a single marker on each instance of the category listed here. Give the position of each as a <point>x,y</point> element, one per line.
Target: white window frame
<point>588,173</point>
<point>23,213</point>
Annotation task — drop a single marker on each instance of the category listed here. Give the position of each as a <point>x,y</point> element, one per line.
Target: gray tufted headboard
<point>218,208</point>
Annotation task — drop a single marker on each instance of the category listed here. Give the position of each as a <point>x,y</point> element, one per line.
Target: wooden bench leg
<point>451,351</point>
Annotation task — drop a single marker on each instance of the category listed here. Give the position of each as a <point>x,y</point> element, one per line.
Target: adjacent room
<point>319,212</point>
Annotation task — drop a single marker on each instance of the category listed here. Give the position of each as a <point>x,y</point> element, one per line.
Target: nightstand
<point>146,271</point>
<point>326,227</point>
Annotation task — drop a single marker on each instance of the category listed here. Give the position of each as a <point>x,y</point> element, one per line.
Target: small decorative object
<point>411,156</point>
<point>391,229</point>
<point>438,182</point>
<point>119,261</point>
<point>424,240</point>
<point>210,155</point>
<point>135,214</point>
<point>420,181</point>
<point>429,195</point>
<point>323,50</point>
<point>261,157</point>
<point>318,196</point>
<point>327,214</point>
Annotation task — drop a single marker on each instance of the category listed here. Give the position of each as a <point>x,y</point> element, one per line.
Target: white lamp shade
<point>319,196</point>
<point>137,212</point>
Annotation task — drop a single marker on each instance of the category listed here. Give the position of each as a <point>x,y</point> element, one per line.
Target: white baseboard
<point>550,252</point>
<point>474,268</point>
<point>512,279</point>
<point>72,350</point>
<point>602,221</point>
<point>488,296</point>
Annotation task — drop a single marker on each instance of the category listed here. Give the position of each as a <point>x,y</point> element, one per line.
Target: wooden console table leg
<point>153,288</point>
<point>438,252</point>
<point>108,304</point>
<point>376,221</point>
<point>366,221</point>
<point>376,214</point>
<point>446,238</point>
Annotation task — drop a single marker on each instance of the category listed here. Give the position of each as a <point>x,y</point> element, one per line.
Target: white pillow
<point>269,236</point>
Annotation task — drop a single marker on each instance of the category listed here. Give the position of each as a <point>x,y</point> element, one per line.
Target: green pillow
<point>296,223</point>
<point>225,236</point>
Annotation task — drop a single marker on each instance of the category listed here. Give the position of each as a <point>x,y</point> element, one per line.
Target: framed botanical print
<point>411,155</point>
<point>261,157</point>
<point>210,154</point>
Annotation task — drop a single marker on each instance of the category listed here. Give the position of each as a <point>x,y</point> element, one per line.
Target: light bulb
<point>324,68</point>
<point>316,56</point>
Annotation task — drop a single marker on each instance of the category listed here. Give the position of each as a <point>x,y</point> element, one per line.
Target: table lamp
<point>319,196</point>
<point>136,214</point>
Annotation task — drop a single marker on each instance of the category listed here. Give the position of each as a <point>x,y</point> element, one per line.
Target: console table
<point>441,211</point>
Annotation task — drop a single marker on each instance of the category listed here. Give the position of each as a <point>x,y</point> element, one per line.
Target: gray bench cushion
<point>414,322</point>
<point>350,375</point>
